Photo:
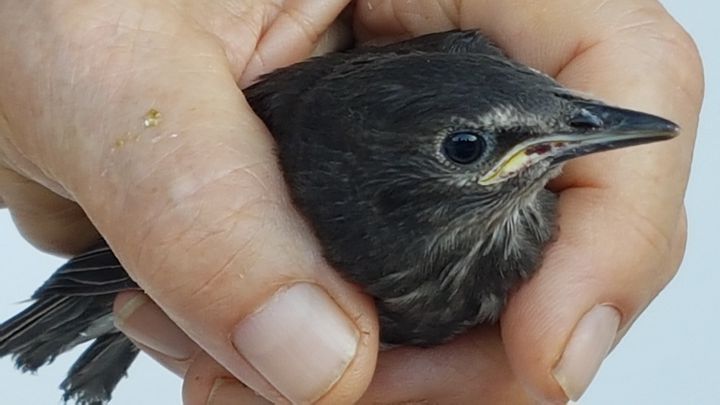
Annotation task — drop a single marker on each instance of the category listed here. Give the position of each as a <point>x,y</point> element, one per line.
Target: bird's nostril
<point>584,119</point>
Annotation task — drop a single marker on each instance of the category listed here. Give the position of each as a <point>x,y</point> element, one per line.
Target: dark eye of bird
<point>464,147</point>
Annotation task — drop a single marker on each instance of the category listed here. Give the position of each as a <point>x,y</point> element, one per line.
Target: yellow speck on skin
<point>151,118</point>
<point>124,140</point>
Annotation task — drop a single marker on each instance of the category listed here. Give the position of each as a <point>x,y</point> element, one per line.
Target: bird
<point>421,168</point>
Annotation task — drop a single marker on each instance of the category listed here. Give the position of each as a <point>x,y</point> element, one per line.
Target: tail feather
<point>96,373</point>
<point>50,327</point>
<point>18,324</point>
<point>72,307</point>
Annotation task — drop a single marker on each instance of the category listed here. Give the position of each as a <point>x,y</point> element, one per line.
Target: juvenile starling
<point>421,168</point>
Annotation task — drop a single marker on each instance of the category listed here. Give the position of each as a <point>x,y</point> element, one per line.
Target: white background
<point>671,355</point>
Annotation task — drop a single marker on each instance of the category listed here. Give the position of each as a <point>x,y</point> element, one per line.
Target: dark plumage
<point>420,167</point>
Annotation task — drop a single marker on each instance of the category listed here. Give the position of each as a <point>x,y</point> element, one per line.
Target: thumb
<point>622,226</point>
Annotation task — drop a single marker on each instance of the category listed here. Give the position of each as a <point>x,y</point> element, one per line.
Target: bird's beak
<point>597,128</point>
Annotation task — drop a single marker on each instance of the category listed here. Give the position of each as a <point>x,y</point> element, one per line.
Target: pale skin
<point>196,209</point>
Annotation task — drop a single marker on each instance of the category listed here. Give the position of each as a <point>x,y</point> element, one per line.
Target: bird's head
<point>454,124</point>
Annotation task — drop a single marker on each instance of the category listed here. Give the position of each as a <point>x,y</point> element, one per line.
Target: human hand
<point>621,215</point>
<point>622,220</point>
<point>191,200</point>
<point>475,365</point>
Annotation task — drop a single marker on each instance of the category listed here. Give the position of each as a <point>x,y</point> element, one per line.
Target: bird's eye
<point>464,147</point>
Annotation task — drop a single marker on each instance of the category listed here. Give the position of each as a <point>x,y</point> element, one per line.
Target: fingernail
<point>300,341</point>
<point>587,348</point>
<point>143,321</point>
<point>226,391</point>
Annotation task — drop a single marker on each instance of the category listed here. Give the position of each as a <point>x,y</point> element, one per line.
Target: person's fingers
<point>306,20</point>
<point>163,153</point>
<point>596,333</point>
<point>231,392</point>
<point>312,26</point>
<point>565,320</point>
<point>620,230</point>
<point>470,367</point>
<point>619,212</point>
<point>149,328</point>
<point>214,241</point>
<point>338,36</point>
<point>50,222</point>
<point>58,225</point>
<point>208,383</point>
<point>475,362</point>
<point>381,21</point>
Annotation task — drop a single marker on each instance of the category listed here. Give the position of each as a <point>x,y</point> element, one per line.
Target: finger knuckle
<point>672,48</point>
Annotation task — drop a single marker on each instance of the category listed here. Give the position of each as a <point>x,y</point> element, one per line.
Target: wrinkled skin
<point>78,77</point>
